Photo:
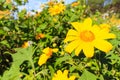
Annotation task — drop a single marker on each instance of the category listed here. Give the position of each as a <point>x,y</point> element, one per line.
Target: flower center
<point>87,36</point>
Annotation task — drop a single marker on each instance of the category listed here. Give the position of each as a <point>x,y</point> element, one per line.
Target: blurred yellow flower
<point>63,76</point>
<point>105,26</point>
<point>4,13</point>
<point>8,1</point>
<point>51,3</point>
<point>86,37</point>
<point>39,36</point>
<point>56,9</point>
<point>75,4</point>
<point>114,21</point>
<point>62,53</point>
<point>47,53</point>
<point>26,44</point>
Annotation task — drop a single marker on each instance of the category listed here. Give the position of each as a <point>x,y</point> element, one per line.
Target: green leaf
<point>88,76</point>
<point>101,77</point>
<point>51,70</point>
<point>2,32</point>
<point>62,59</point>
<point>5,42</point>
<point>22,55</point>
<point>22,13</point>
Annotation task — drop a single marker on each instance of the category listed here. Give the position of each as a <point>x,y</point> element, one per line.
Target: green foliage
<point>87,76</point>
<point>18,58</point>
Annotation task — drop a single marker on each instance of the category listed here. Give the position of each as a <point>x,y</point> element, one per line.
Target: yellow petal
<point>72,32</point>
<point>70,38</point>
<point>77,25</point>
<point>65,73</point>
<point>78,50</point>
<point>71,46</point>
<point>103,45</point>
<point>88,50</point>
<point>105,26</point>
<point>107,35</point>
<point>42,60</point>
<point>87,23</point>
<point>46,50</point>
<point>59,72</point>
<point>72,78</point>
<point>95,29</point>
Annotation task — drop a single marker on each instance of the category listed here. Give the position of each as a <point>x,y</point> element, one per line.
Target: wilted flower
<point>63,76</point>
<point>56,9</point>
<point>47,53</point>
<point>86,37</point>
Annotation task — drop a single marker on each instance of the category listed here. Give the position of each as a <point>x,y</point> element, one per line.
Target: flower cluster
<point>56,9</point>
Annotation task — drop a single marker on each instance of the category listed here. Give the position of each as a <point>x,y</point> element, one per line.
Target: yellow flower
<point>62,76</point>
<point>114,21</point>
<point>75,4</point>
<point>56,9</point>
<point>8,1</point>
<point>4,13</point>
<point>26,44</point>
<point>86,37</point>
<point>51,3</point>
<point>39,36</point>
<point>47,53</point>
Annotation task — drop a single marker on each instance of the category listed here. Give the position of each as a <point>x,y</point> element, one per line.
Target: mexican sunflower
<point>26,44</point>
<point>86,37</point>
<point>56,9</point>
<point>62,76</point>
<point>47,53</point>
<point>39,36</point>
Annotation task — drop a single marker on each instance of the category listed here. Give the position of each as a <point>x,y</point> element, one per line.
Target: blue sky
<point>35,4</point>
